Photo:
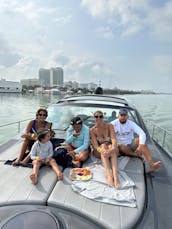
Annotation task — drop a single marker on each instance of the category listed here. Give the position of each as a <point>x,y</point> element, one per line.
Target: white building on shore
<point>30,82</point>
<point>10,86</point>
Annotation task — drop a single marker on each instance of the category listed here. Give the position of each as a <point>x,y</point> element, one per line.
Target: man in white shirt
<point>127,144</point>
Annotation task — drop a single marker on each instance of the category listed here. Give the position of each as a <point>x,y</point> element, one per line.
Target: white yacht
<point>54,203</point>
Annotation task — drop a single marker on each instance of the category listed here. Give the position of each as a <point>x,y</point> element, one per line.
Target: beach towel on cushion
<point>97,189</point>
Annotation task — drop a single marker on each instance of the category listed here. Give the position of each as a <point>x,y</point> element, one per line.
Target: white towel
<point>97,188</point>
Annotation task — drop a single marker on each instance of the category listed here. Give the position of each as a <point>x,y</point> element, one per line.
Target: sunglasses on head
<point>42,115</point>
<point>76,122</point>
<point>98,116</point>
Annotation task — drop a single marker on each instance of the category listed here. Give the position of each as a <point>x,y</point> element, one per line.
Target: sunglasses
<point>42,115</point>
<point>76,123</point>
<point>98,116</point>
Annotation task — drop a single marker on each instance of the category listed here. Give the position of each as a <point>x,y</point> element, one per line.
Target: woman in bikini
<point>104,145</point>
<point>30,135</point>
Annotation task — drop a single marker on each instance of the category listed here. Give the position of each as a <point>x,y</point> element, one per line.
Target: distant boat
<point>53,91</point>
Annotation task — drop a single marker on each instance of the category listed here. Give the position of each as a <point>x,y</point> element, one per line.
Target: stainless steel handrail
<point>159,134</point>
<point>17,122</point>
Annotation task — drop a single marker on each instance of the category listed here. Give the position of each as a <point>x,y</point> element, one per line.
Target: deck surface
<point>16,188</point>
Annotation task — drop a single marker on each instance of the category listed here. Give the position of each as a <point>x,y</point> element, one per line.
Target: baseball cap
<point>123,111</point>
<point>76,120</point>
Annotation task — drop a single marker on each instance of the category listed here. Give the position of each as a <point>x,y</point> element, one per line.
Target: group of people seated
<point>106,140</point>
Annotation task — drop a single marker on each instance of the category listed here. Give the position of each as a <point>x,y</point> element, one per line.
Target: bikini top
<point>101,140</point>
<point>105,138</point>
<point>33,129</point>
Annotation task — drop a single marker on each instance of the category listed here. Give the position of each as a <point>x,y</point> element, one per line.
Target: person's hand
<point>37,158</point>
<point>71,153</point>
<point>29,136</point>
<point>25,135</point>
<point>58,147</point>
<point>106,153</point>
<point>138,151</point>
<point>113,149</point>
<point>75,134</point>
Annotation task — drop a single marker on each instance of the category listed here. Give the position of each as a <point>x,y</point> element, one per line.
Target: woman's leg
<point>26,160</point>
<point>22,152</point>
<point>113,160</point>
<point>34,175</point>
<point>106,164</point>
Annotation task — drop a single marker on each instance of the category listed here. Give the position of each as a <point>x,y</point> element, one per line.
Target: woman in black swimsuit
<point>104,144</point>
<point>30,135</point>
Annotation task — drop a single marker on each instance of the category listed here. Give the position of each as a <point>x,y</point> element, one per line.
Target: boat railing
<point>160,135</point>
<point>8,130</point>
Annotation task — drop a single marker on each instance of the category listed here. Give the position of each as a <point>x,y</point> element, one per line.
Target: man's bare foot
<point>60,176</point>
<point>155,165</point>
<point>34,178</point>
<point>77,163</point>
<point>109,180</point>
<point>16,162</point>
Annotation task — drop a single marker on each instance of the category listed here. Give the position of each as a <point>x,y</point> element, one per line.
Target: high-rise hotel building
<point>51,77</point>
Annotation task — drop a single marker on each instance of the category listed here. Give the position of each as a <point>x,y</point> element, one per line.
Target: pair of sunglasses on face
<point>98,116</point>
<point>42,115</point>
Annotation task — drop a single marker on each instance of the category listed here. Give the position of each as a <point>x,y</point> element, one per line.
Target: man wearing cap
<point>127,144</point>
<point>78,138</point>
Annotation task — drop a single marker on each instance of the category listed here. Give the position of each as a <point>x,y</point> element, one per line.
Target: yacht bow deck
<point>16,189</point>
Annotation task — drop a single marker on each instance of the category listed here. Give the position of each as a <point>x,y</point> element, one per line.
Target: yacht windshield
<point>60,115</point>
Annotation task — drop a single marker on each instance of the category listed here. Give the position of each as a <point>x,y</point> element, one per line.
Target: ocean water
<point>15,107</point>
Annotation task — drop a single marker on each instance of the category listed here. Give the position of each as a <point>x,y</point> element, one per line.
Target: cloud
<point>133,16</point>
<point>57,58</point>
<point>28,9</point>
<point>160,20</point>
<point>8,55</point>
<point>83,69</point>
<point>97,8</point>
<point>26,67</point>
<point>34,14</point>
<point>118,14</point>
<point>105,32</point>
<point>63,20</point>
<point>162,65</point>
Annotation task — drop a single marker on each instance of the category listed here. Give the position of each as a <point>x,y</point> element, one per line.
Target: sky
<point>115,43</point>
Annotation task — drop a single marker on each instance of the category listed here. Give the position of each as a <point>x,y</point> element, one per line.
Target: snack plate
<point>83,174</point>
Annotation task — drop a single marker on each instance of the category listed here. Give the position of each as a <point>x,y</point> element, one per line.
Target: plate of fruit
<point>80,174</point>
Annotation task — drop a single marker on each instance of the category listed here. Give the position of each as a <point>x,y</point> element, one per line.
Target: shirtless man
<point>127,144</point>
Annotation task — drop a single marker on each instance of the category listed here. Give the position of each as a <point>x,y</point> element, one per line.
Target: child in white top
<point>41,153</point>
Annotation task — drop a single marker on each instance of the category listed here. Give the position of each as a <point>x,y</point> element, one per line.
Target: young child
<point>41,153</point>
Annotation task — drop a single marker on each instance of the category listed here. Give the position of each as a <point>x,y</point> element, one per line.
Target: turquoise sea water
<point>15,107</point>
